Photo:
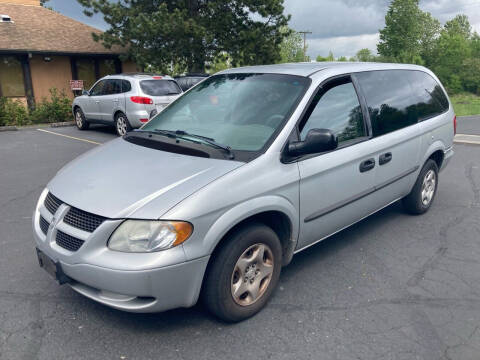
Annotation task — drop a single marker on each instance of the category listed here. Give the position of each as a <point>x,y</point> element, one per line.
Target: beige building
<point>41,49</point>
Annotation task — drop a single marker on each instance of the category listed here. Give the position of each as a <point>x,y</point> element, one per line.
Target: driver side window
<point>337,109</point>
<point>98,88</point>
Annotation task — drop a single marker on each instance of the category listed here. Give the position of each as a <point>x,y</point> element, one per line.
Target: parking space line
<point>467,139</point>
<point>70,137</point>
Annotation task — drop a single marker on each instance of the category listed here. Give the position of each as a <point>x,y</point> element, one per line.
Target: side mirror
<point>317,141</point>
<point>85,92</point>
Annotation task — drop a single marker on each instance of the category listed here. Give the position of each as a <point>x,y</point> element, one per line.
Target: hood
<point>120,180</point>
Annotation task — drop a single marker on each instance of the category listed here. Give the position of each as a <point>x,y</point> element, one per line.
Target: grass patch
<point>466,104</point>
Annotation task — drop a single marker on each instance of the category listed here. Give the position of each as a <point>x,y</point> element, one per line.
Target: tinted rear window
<point>429,95</point>
<point>160,87</point>
<point>389,99</point>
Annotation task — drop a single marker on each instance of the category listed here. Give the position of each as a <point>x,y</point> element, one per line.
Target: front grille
<point>83,220</point>
<point>44,225</point>
<point>52,203</point>
<point>68,242</point>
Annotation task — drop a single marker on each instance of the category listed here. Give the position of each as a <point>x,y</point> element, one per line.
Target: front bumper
<point>136,282</point>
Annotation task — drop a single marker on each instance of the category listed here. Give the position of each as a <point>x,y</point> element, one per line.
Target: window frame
<point>367,113</point>
<point>312,102</point>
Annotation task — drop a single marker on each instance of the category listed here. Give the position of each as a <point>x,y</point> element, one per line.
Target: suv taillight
<point>141,100</point>
<point>455,125</point>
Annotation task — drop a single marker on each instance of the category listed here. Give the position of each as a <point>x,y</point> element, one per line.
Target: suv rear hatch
<point>161,91</point>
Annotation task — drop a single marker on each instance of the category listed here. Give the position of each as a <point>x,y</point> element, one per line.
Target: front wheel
<point>243,273</point>
<point>423,193</point>
<point>80,121</point>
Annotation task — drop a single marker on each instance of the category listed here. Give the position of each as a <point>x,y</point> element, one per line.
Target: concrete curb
<point>35,126</point>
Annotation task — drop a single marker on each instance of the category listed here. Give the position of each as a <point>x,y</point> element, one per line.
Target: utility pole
<point>304,43</point>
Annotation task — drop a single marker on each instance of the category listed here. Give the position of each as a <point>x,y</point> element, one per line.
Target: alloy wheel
<point>78,118</point>
<point>428,187</point>
<point>122,125</point>
<point>252,274</point>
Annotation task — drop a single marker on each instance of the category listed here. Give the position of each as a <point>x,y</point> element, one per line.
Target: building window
<point>91,69</point>
<point>11,77</point>
<point>86,72</point>
<point>106,67</point>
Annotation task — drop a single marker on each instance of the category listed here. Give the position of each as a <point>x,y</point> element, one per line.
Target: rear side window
<point>160,87</point>
<point>126,86</point>
<point>429,96</point>
<point>337,109</point>
<point>389,100</point>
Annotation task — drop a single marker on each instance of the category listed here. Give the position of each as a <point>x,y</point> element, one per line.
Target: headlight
<point>148,236</point>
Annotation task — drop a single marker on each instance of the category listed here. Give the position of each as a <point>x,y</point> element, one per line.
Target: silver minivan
<point>214,195</point>
<point>126,101</point>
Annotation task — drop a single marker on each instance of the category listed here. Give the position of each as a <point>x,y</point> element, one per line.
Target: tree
<point>42,2</point>
<point>452,53</point>
<point>192,32</point>
<point>364,55</point>
<point>459,25</point>
<point>330,57</point>
<point>291,48</point>
<point>407,30</point>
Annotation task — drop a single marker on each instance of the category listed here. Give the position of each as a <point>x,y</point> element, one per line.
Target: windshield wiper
<point>205,139</point>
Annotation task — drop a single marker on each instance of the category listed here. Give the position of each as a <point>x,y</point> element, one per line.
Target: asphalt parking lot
<point>393,286</point>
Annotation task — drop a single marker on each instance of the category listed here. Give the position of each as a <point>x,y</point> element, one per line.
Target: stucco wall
<point>45,75</point>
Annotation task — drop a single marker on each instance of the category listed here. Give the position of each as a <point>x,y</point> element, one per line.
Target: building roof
<point>311,68</point>
<point>37,29</point>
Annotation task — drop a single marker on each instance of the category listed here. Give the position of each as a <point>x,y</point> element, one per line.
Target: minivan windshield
<point>160,87</point>
<point>239,111</point>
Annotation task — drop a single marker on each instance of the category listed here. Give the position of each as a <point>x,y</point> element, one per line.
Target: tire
<point>80,121</point>
<point>243,251</point>
<point>423,193</point>
<point>122,125</point>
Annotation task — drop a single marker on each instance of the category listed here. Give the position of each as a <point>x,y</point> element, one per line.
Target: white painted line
<point>70,137</point>
<point>474,137</point>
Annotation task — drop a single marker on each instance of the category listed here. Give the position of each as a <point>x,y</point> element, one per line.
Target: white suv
<point>126,101</point>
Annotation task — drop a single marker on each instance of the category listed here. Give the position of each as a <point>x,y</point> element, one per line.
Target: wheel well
<point>76,107</point>
<point>116,114</point>
<point>437,156</point>
<point>276,220</point>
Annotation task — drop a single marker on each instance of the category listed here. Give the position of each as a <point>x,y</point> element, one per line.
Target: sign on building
<point>76,85</point>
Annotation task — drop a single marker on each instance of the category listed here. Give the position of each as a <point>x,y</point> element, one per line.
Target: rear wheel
<point>80,121</point>
<point>244,273</point>
<point>423,193</point>
<point>122,125</point>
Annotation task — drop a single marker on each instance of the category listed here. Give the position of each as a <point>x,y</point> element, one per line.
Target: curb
<point>26,127</point>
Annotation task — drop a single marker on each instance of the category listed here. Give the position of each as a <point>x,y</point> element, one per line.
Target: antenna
<point>305,43</point>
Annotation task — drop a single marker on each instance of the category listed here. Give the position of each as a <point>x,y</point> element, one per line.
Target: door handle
<point>97,101</point>
<point>116,100</point>
<point>367,165</point>
<point>385,158</point>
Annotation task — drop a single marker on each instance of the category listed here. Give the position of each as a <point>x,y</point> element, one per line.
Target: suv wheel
<point>80,120</point>
<point>122,125</point>
<point>243,273</point>
<point>423,193</point>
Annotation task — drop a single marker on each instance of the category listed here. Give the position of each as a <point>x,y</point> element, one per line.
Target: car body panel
<point>120,179</point>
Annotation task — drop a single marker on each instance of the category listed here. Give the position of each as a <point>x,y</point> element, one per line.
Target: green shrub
<point>56,109</point>
<point>12,112</point>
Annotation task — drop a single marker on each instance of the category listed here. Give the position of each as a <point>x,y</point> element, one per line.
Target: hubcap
<point>252,274</point>
<point>122,125</point>
<point>428,187</point>
<point>78,119</point>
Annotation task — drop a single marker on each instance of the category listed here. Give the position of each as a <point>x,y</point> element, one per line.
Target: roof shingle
<point>37,29</point>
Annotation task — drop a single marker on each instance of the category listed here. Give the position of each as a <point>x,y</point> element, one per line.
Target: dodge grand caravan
<point>213,196</point>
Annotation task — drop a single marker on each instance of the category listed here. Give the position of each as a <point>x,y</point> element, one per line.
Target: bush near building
<point>57,108</point>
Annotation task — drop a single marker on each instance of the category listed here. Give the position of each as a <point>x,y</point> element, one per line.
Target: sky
<point>340,26</point>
